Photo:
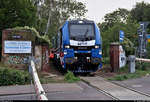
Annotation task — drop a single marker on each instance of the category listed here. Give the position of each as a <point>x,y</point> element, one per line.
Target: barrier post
<point>41,95</point>
<point>131,66</point>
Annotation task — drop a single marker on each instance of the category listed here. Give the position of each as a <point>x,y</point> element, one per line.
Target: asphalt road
<point>95,89</point>
<point>63,91</point>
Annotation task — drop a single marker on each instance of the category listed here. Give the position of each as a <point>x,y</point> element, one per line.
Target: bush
<point>142,65</point>
<point>12,77</point>
<point>128,46</point>
<point>69,77</point>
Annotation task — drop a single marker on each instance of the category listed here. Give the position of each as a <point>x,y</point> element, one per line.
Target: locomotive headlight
<point>100,52</point>
<point>87,58</point>
<point>67,46</point>
<point>65,52</point>
<point>76,58</point>
<point>96,46</point>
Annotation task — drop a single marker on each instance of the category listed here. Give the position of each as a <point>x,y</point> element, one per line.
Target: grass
<point>123,73</point>
<point>70,78</point>
<point>45,78</point>
<point>51,80</point>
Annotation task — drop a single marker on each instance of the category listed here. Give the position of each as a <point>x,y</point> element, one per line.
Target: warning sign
<point>148,37</point>
<point>148,40</point>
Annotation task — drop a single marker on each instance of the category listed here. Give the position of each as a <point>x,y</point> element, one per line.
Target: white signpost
<point>17,46</point>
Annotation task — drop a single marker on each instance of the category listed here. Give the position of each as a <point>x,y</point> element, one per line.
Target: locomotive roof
<point>77,21</point>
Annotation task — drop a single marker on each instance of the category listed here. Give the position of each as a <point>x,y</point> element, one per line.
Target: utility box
<point>114,56</point>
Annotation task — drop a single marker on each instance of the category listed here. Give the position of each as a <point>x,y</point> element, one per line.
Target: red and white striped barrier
<point>38,87</point>
<point>142,59</point>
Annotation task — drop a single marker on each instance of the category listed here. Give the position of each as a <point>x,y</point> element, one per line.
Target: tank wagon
<point>78,46</point>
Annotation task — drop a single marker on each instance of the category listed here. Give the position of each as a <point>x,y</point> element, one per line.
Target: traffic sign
<point>121,36</point>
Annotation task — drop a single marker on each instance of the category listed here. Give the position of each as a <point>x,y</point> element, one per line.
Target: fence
<point>38,87</point>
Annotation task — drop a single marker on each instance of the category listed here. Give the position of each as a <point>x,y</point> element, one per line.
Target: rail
<point>41,95</point>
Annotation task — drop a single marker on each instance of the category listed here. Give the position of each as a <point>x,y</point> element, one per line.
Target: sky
<point>98,8</point>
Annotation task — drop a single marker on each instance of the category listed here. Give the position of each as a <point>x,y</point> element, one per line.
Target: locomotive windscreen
<point>82,32</point>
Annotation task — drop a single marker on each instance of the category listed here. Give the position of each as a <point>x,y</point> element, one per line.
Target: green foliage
<point>16,13</point>
<point>53,13</point>
<point>106,60</point>
<point>10,76</point>
<point>128,46</point>
<point>113,23</point>
<point>35,33</point>
<point>112,35</point>
<point>69,77</point>
<point>126,75</point>
<point>142,65</point>
<point>44,80</point>
<point>123,69</point>
<point>120,15</point>
<point>141,12</point>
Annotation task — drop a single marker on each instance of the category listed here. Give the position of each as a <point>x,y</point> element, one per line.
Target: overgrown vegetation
<point>9,76</point>
<point>44,80</point>
<point>70,77</point>
<point>46,16</point>
<point>142,69</point>
<point>40,38</point>
<point>127,21</point>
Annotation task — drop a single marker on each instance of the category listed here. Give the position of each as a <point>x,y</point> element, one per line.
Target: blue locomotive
<point>78,46</point>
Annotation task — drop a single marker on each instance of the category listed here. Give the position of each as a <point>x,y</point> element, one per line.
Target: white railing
<point>38,87</point>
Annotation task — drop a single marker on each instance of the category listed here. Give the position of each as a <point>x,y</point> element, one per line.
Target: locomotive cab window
<point>82,32</point>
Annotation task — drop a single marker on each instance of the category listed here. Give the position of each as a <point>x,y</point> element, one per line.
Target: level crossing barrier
<point>142,59</point>
<point>132,59</point>
<point>41,95</point>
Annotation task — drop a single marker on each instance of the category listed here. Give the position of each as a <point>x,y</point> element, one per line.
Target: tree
<point>113,23</point>
<point>53,13</point>
<point>141,12</point>
<point>118,16</point>
<point>16,13</point>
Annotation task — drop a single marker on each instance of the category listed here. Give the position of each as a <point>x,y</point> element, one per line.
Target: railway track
<point>113,90</point>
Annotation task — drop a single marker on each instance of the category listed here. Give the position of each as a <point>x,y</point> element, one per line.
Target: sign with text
<point>17,47</point>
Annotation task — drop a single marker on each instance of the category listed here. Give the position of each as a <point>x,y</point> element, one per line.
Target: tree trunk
<point>48,22</point>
